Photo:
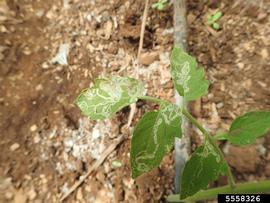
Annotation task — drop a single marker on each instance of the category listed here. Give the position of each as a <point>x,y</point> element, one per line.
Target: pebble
<point>37,139</point>
<point>20,197</point>
<point>39,87</point>
<point>148,58</point>
<point>27,51</point>
<point>9,195</point>
<point>50,14</point>
<point>3,29</point>
<point>262,16</point>
<point>79,195</point>
<point>264,53</point>
<point>33,128</point>
<point>220,105</point>
<point>14,147</point>
<point>88,189</point>
<point>240,65</point>
<point>32,194</point>
<point>45,65</point>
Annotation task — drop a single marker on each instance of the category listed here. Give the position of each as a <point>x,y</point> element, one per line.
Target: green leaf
<point>204,166</point>
<point>211,19</point>
<point>188,79</point>
<point>153,137</point>
<point>159,5</point>
<point>108,96</point>
<point>245,129</point>
<point>216,26</point>
<point>216,16</point>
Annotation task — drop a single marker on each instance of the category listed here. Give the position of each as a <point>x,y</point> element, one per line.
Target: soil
<point>47,145</point>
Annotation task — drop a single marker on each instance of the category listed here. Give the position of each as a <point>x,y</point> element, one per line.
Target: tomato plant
<point>154,135</point>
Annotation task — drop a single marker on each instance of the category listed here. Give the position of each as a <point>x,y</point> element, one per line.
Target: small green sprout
<point>213,18</point>
<point>160,5</point>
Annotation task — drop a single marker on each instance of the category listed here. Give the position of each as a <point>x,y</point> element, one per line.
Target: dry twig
<point>131,114</point>
<point>104,155</point>
<point>133,106</point>
<point>143,28</point>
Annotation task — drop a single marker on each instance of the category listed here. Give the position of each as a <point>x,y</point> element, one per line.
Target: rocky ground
<point>47,145</point>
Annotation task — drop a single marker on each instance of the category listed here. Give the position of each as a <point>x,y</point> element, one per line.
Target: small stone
<point>239,157</point>
<point>27,51</point>
<point>240,65</point>
<point>9,195</point>
<point>20,197</point>
<point>220,105</point>
<point>32,194</point>
<point>262,150</point>
<point>33,128</point>
<point>264,54</point>
<point>27,177</point>
<point>49,14</point>
<point>14,147</point>
<point>79,195</point>
<point>262,16</point>
<point>45,65</point>
<point>39,87</point>
<point>3,29</point>
<point>88,189</point>
<point>40,13</point>
<point>37,139</point>
<point>148,58</point>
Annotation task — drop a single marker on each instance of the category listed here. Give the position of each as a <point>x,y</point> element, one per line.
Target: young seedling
<point>154,135</point>
<point>160,5</point>
<point>213,18</point>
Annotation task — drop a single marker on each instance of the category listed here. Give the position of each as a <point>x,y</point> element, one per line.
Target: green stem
<point>221,136</point>
<point>240,188</point>
<point>194,122</point>
<point>153,99</point>
<point>213,142</point>
<point>229,172</point>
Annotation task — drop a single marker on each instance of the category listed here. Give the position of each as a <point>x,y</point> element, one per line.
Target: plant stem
<point>221,136</point>
<point>194,122</point>
<point>143,28</point>
<point>212,142</point>
<point>204,132</point>
<point>153,99</point>
<point>229,172</point>
<point>240,188</point>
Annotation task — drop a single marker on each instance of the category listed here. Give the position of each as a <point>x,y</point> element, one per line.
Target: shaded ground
<point>237,64</point>
<point>46,145</point>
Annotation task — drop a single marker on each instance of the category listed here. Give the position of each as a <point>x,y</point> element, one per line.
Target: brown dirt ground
<point>38,119</point>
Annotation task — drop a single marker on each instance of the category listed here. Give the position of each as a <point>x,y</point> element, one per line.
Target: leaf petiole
<point>153,99</point>
<point>221,136</point>
<point>213,143</point>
